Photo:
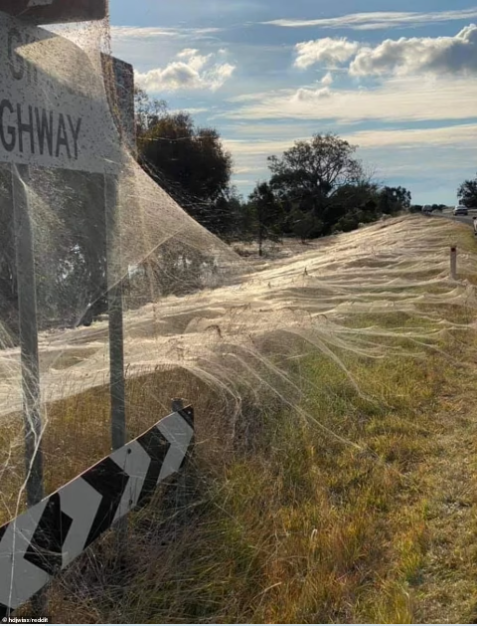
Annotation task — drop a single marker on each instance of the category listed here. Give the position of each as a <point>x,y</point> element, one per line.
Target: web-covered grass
<point>314,379</point>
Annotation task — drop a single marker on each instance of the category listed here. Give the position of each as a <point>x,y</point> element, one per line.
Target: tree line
<point>316,187</point>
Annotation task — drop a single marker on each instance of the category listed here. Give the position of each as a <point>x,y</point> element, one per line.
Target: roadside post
<point>117,387</point>
<point>453,262</point>
<point>27,312</point>
<point>115,314</point>
<point>119,82</point>
<point>185,480</point>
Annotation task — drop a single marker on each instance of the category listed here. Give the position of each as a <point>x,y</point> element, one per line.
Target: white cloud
<point>193,59</point>
<point>244,182</point>
<point>257,95</point>
<point>398,99</point>
<point>327,51</point>
<point>305,95</point>
<point>379,20</point>
<point>121,33</point>
<point>243,170</point>
<point>152,47</point>
<point>403,56</point>
<point>247,148</point>
<point>406,55</point>
<point>191,110</point>
<point>327,79</point>
<point>461,135</point>
<point>190,71</point>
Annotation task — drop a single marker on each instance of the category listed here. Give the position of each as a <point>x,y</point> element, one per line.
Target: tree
<point>226,216</point>
<point>467,193</point>
<point>310,173</point>
<point>394,199</point>
<point>306,225</point>
<point>266,214</point>
<point>351,198</point>
<point>189,163</point>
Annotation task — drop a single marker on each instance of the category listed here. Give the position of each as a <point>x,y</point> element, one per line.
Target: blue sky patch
<point>397,80</point>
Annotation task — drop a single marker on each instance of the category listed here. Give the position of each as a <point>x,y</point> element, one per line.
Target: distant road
<point>447,214</point>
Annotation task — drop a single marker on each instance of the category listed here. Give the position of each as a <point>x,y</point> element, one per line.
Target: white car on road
<point>460,209</point>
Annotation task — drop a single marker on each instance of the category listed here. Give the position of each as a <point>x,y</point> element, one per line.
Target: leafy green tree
<point>363,197</point>
<point>467,193</point>
<point>311,172</point>
<point>394,199</point>
<point>226,216</point>
<point>350,221</point>
<point>189,163</point>
<point>148,111</point>
<point>306,225</point>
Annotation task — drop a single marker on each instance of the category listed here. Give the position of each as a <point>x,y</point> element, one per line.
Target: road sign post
<point>28,334</point>
<point>115,310</point>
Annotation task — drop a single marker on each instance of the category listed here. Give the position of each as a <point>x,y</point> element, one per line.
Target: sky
<point>396,80</point>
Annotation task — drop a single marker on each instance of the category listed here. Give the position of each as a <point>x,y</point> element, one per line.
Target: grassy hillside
<point>332,485</point>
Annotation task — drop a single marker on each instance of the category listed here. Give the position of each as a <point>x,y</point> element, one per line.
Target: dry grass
<point>77,432</point>
<point>372,523</point>
<point>301,527</point>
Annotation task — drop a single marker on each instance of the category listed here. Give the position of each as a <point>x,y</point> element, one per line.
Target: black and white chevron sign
<point>46,538</point>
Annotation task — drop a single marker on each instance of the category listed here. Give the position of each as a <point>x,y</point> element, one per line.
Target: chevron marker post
<point>49,536</point>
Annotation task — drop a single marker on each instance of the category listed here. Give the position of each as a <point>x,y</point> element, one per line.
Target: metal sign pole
<point>116,334</point>
<point>28,334</point>
<point>115,310</point>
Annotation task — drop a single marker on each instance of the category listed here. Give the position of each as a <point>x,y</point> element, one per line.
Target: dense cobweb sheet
<point>394,266</point>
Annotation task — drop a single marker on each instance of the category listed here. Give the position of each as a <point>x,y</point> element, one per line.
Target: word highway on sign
<point>28,129</point>
<point>53,104</point>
